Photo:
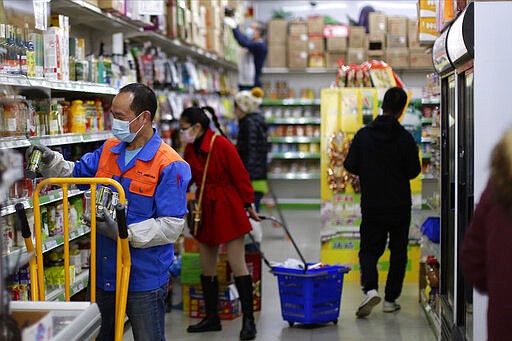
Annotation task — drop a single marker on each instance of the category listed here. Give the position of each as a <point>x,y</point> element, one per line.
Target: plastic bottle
<point>77,112</point>
<point>100,114</point>
<point>55,118</point>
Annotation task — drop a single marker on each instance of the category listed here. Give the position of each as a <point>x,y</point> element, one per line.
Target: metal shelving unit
<point>293,120</point>
<point>55,140</point>
<point>294,155</point>
<point>294,139</point>
<point>53,196</point>
<point>294,176</point>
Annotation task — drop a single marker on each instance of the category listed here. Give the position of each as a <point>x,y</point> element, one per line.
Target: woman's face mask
<point>121,129</point>
<point>188,135</point>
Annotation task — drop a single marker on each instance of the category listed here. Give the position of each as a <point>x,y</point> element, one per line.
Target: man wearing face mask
<point>155,179</point>
<point>254,56</point>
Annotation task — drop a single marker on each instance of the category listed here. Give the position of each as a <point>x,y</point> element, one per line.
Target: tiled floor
<point>408,324</point>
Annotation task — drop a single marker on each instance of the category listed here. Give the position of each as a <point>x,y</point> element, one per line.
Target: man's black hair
<point>262,28</point>
<point>394,101</point>
<point>143,98</point>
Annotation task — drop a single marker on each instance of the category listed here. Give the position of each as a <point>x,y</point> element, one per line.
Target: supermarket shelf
<point>51,243</point>
<point>426,120</point>
<point>294,176</point>
<point>294,155</point>
<point>429,177</point>
<point>426,156</point>
<point>426,140</point>
<point>23,81</point>
<point>81,281</point>
<point>175,47</point>
<point>13,142</point>
<point>284,70</point>
<point>55,140</point>
<point>291,101</point>
<point>293,139</point>
<point>432,317</point>
<point>83,14</point>
<point>54,196</point>
<point>294,120</point>
<point>93,88</point>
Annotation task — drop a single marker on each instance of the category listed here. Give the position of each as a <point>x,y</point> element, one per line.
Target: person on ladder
<point>227,199</point>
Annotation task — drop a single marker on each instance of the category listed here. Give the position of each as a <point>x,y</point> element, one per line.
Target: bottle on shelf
<point>77,120</point>
<point>55,118</point>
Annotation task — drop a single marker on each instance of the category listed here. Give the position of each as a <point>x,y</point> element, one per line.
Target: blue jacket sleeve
<point>171,191</point>
<point>253,46</point>
<point>87,166</point>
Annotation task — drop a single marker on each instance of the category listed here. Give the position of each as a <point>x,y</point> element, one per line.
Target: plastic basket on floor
<point>312,297</point>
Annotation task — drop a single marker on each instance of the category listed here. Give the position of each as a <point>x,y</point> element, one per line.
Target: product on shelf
<point>373,73</point>
<point>337,176</point>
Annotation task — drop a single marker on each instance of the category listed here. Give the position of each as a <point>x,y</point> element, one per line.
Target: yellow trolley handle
<point>123,264</point>
<point>21,218</point>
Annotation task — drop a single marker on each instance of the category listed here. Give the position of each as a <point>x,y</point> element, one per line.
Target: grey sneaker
<point>371,300</point>
<point>390,307</point>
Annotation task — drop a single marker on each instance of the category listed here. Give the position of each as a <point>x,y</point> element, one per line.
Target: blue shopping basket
<point>310,297</point>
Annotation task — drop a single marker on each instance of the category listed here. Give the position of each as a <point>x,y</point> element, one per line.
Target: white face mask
<point>121,129</point>
<point>187,136</point>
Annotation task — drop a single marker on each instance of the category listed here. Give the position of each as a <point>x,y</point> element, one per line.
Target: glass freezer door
<point>448,155</point>
<point>465,202</point>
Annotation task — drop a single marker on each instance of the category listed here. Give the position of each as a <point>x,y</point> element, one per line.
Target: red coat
<point>228,189</point>
<point>486,260</point>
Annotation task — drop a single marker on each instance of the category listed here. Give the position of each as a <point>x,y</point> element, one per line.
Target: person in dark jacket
<point>385,157</point>
<point>255,55</point>
<point>486,252</point>
<point>252,140</point>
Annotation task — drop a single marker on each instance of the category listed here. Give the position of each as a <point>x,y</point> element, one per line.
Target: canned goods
<point>106,198</point>
<point>33,164</point>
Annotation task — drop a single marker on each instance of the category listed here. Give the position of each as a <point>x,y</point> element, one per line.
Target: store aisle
<point>408,324</point>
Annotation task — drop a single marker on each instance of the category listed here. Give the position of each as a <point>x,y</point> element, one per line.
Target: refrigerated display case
<point>453,59</point>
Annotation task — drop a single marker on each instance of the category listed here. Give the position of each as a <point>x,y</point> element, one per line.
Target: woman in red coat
<point>227,198</point>
<point>486,255</point>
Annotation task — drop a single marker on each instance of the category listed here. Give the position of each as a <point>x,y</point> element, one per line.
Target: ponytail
<point>214,118</point>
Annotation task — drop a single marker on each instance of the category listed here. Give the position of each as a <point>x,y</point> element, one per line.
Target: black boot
<point>244,287</point>
<point>211,321</point>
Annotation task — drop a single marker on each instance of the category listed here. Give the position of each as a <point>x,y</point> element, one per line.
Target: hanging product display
<point>337,176</point>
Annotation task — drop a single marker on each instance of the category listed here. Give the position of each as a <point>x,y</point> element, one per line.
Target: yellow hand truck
<point>123,264</point>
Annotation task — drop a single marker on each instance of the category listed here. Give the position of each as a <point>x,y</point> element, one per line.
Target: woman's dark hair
<point>195,115</point>
<point>143,98</point>
<point>394,101</point>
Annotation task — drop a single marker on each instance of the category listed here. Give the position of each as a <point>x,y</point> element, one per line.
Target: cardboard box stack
<point>336,44</point>
<point>357,52</point>
<point>316,47</point>
<point>229,303</point>
<point>298,44</point>
<point>377,35</point>
<point>277,36</point>
<point>418,56</point>
<point>397,52</point>
<point>213,22</point>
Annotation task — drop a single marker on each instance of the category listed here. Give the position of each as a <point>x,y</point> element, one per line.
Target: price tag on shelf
<point>50,244</point>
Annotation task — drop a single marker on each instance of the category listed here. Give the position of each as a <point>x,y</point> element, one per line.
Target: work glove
<point>47,154</point>
<point>105,224</point>
<point>230,22</point>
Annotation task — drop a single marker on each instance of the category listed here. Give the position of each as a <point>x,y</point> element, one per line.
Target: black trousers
<point>375,229</point>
